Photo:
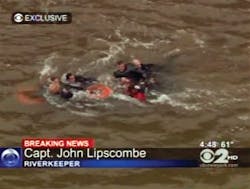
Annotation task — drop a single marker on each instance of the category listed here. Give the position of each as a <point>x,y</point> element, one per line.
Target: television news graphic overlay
<point>58,143</point>
<point>11,158</point>
<point>51,157</point>
<point>40,148</point>
<point>216,144</point>
<point>106,158</point>
<point>41,18</point>
<point>217,154</point>
<point>81,153</point>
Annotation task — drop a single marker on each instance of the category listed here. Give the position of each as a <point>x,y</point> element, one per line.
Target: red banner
<point>58,143</point>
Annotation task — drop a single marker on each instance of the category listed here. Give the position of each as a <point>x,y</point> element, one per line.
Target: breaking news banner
<point>81,153</point>
<point>41,18</point>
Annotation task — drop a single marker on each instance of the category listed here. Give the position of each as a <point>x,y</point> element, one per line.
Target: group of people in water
<point>134,77</point>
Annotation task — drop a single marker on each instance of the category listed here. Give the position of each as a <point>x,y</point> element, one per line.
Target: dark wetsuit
<point>130,72</point>
<point>81,83</point>
<point>145,70</point>
<point>84,80</point>
<point>66,94</point>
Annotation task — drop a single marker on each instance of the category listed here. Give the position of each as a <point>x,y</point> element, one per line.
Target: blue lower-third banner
<point>111,164</point>
<point>138,163</point>
<point>16,157</point>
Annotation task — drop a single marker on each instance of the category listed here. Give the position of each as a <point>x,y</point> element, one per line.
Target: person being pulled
<point>146,71</point>
<point>56,88</point>
<point>78,81</point>
<point>130,77</point>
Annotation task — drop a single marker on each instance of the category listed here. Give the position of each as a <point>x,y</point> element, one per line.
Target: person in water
<point>127,72</point>
<point>56,88</point>
<point>144,69</point>
<point>147,71</point>
<point>131,77</point>
<point>78,79</point>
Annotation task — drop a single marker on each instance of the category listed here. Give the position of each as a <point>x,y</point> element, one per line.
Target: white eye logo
<point>18,17</point>
<point>207,156</point>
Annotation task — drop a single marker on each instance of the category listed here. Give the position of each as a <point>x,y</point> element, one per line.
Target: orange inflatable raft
<point>29,96</point>
<point>99,91</point>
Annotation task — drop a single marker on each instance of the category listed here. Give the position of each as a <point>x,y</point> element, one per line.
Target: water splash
<point>170,100</point>
<point>48,67</point>
<point>80,100</point>
<point>127,98</point>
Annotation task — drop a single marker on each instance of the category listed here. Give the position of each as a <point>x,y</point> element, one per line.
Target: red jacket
<point>139,96</point>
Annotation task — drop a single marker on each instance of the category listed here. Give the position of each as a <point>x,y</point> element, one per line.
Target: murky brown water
<point>203,47</point>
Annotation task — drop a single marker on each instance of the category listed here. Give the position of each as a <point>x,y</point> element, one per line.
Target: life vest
<point>99,91</point>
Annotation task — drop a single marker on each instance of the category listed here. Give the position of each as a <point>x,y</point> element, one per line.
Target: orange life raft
<point>29,96</point>
<point>99,91</point>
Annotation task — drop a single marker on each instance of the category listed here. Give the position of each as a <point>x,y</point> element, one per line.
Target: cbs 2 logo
<point>219,156</point>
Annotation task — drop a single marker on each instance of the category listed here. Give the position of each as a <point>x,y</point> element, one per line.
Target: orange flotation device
<point>99,91</point>
<point>29,96</point>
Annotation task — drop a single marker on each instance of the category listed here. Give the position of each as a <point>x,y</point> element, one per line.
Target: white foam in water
<point>208,99</point>
<point>137,43</point>
<point>177,99</point>
<point>65,104</point>
<point>244,117</point>
<point>117,48</point>
<point>51,100</point>
<point>198,41</point>
<point>85,114</point>
<point>185,99</point>
<point>48,68</point>
<point>106,79</point>
<point>173,52</point>
<point>79,95</point>
<point>197,93</point>
<point>128,99</point>
<point>166,99</point>
<point>80,100</point>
